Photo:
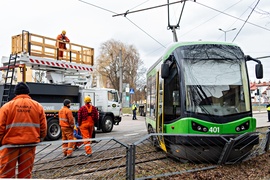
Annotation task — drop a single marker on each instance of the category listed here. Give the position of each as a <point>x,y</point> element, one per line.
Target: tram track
<point>106,162</point>
<point>101,162</point>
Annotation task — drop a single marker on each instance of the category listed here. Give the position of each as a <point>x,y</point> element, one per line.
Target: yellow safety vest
<point>133,107</point>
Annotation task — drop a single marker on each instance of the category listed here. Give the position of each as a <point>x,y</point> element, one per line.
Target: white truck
<point>51,97</point>
<point>70,78</point>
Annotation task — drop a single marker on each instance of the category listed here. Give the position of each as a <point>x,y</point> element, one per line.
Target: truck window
<point>112,96</point>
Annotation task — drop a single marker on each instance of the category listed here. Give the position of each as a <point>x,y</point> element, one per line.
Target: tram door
<point>159,110</point>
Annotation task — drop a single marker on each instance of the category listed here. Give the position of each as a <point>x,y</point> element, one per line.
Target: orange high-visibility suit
<point>87,124</point>
<point>61,44</point>
<point>22,121</point>
<point>67,124</point>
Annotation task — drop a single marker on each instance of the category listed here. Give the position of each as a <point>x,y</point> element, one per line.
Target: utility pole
<point>120,76</point>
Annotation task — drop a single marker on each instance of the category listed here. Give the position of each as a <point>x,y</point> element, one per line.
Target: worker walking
<point>22,122</point>
<point>268,111</point>
<point>134,109</point>
<point>87,116</point>
<point>62,39</point>
<point>67,124</point>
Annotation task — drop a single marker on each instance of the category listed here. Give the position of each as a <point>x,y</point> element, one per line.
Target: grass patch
<point>127,110</point>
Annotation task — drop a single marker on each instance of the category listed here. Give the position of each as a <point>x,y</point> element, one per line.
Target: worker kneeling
<point>87,116</point>
<point>77,135</point>
<point>67,124</point>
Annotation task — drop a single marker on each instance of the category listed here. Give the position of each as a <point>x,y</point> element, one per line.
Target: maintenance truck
<point>69,78</point>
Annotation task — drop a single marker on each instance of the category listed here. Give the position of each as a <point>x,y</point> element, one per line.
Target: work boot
<point>69,156</point>
<point>87,155</point>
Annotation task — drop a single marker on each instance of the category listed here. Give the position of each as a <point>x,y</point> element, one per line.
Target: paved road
<point>128,130</point>
<point>262,119</point>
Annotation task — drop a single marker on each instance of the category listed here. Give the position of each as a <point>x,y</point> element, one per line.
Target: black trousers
<point>134,115</point>
<point>268,115</point>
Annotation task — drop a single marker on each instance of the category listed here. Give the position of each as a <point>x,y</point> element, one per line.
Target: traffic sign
<point>131,91</point>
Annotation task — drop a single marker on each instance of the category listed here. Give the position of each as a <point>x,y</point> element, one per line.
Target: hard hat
<point>87,99</point>
<point>66,102</point>
<point>64,32</point>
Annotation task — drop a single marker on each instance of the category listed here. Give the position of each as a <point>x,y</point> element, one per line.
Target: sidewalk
<point>256,112</point>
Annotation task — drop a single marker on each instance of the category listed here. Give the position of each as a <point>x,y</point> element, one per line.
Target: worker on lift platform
<point>62,39</point>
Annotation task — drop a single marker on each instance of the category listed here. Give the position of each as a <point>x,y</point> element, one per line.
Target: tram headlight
<point>242,127</point>
<point>205,129</point>
<point>198,127</point>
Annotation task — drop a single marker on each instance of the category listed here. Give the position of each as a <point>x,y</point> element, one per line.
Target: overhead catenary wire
<point>239,17</point>
<point>98,7</point>
<point>145,32</point>
<point>232,16</point>
<point>221,12</point>
<point>139,4</point>
<point>129,12</point>
<point>153,7</point>
<point>145,9</point>
<point>246,20</point>
<point>127,19</point>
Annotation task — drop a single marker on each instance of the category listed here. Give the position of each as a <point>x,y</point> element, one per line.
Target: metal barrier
<point>144,159</point>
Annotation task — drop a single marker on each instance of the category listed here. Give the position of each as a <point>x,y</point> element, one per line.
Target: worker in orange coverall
<point>22,122</point>
<point>87,116</point>
<point>67,125</point>
<point>61,43</point>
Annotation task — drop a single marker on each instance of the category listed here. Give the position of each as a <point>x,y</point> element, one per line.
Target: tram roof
<point>171,47</point>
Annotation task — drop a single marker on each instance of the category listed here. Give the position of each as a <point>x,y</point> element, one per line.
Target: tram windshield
<point>216,80</point>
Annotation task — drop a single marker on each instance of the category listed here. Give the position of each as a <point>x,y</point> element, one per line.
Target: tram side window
<point>172,95</point>
<point>151,95</point>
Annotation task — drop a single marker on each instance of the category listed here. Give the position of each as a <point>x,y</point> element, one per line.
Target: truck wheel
<point>107,124</point>
<point>54,130</point>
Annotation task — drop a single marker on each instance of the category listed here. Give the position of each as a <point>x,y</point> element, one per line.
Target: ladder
<point>10,69</point>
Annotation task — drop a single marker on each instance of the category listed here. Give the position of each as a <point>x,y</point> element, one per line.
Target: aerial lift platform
<point>35,52</point>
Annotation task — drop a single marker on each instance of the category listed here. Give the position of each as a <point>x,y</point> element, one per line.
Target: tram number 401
<point>214,129</point>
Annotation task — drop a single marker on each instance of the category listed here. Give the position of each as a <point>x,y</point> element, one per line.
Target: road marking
<point>131,134</point>
<point>142,130</point>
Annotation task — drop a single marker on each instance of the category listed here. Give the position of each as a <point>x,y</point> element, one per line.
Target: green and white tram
<point>201,89</point>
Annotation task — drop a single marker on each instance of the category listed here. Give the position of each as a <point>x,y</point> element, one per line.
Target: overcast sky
<point>91,22</point>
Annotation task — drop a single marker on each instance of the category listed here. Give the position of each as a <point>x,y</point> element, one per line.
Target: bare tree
<point>108,65</point>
